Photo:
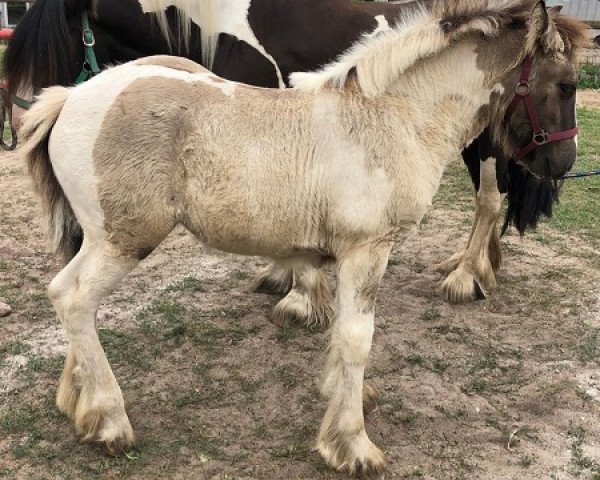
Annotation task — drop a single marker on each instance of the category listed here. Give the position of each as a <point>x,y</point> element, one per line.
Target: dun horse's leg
<point>274,278</point>
<point>474,274</point>
<point>88,392</point>
<point>309,300</point>
<point>343,441</point>
<point>452,263</point>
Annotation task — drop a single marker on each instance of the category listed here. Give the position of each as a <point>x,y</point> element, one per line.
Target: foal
<point>338,168</point>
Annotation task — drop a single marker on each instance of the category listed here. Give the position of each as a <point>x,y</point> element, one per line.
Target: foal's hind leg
<point>88,391</point>
<point>274,278</point>
<point>309,300</point>
<point>343,441</point>
<point>475,273</point>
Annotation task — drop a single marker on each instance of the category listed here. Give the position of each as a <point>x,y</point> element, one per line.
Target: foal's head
<point>536,121</point>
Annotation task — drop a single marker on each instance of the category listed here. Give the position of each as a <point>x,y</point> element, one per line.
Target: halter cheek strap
<point>540,136</point>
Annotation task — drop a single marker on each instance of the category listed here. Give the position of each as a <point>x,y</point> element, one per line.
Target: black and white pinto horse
<point>261,42</point>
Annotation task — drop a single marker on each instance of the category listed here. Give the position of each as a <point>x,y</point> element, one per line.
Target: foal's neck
<point>448,96</point>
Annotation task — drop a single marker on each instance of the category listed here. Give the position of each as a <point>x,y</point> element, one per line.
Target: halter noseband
<point>540,136</point>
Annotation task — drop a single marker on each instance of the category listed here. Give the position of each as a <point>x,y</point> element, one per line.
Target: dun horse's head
<point>536,122</point>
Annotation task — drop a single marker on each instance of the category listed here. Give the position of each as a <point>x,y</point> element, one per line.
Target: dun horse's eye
<point>567,89</point>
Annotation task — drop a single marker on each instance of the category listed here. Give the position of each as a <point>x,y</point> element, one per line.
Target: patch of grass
<point>207,396</point>
<point>581,463</point>
<point>415,360</point>
<point>431,314</point>
<point>14,347</point>
<point>124,348</point>
<point>589,76</point>
<point>589,349</point>
<point>189,284</point>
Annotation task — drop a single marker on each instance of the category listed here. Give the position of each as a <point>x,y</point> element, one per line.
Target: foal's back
<point>241,167</point>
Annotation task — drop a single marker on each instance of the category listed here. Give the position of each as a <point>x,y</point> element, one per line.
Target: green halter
<point>90,64</point>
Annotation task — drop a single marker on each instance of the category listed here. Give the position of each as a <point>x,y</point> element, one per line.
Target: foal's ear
<point>539,20</point>
<point>556,9</point>
<point>543,30</point>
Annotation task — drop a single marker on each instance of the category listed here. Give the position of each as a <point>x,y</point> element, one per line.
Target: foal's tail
<point>63,227</point>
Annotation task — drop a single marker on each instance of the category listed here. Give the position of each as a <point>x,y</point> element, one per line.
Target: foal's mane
<point>377,61</point>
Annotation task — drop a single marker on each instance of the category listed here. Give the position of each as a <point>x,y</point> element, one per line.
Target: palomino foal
<point>338,168</point>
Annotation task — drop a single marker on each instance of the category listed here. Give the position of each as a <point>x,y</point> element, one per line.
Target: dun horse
<point>237,42</point>
<point>335,170</point>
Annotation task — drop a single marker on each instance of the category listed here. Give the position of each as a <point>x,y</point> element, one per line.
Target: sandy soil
<point>507,388</point>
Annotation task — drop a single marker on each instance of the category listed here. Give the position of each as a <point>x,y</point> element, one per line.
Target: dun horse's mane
<point>573,32</point>
<point>377,61</point>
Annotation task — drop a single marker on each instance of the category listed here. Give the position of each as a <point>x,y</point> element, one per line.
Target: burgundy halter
<point>540,136</point>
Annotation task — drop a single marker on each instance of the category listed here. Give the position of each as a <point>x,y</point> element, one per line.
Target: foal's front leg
<point>474,273</point>
<point>343,441</point>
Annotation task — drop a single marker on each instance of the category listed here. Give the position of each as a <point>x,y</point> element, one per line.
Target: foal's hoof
<point>273,279</point>
<point>299,308</point>
<point>370,397</point>
<point>113,432</point>
<point>461,286</point>
<point>357,456</point>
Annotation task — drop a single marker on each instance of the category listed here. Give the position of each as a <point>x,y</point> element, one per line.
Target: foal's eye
<point>567,89</point>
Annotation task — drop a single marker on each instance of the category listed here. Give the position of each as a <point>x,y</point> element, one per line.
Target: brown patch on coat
<point>176,63</point>
<point>141,192</point>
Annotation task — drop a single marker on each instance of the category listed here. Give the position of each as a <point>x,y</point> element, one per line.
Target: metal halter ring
<point>540,138</point>
<point>522,89</point>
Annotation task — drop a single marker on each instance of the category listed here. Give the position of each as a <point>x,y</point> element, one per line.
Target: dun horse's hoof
<point>461,286</point>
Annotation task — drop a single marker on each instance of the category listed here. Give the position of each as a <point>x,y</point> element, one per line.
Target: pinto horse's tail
<point>63,227</point>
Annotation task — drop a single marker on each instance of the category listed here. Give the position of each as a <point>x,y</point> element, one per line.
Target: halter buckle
<point>522,89</point>
<point>540,138</point>
<point>87,36</point>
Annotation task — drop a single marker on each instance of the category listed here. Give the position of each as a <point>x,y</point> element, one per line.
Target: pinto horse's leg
<point>309,300</point>
<point>475,273</point>
<point>343,441</point>
<point>88,392</point>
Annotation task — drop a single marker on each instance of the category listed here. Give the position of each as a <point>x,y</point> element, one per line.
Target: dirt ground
<point>506,388</point>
